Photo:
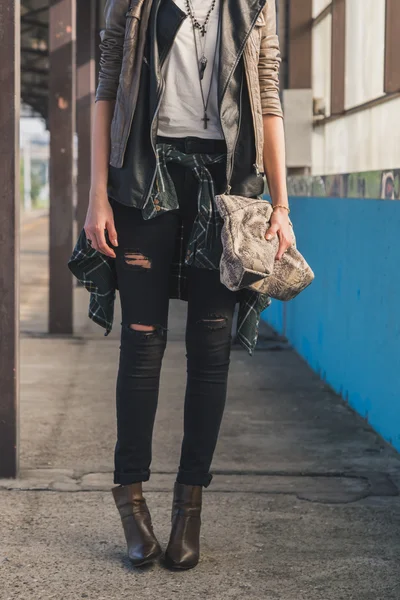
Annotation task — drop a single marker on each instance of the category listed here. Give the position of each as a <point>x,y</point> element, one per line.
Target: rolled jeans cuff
<point>134,477</point>
<point>193,478</point>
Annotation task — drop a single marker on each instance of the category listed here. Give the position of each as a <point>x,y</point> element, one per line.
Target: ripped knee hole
<point>143,328</point>
<point>213,322</point>
<point>137,260</point>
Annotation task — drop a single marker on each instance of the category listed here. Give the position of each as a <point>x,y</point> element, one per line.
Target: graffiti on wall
<point>383,185</point>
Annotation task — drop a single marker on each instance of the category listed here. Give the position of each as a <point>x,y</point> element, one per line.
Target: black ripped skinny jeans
<point>144,295</point>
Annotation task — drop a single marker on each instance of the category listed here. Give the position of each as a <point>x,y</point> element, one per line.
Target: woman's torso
<point>182,109</point>
<point>132,183</point>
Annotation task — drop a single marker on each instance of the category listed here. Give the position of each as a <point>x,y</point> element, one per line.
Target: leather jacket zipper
<point>229,187</point>
<point>152,140</point>
<point>255,165</point>
<point>131,13</point>
<point>229,168</point>
<point>161,94</point>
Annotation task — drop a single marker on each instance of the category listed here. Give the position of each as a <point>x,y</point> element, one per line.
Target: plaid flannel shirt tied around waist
<point>97,272</point>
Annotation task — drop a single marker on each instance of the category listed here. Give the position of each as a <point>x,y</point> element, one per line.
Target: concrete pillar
<point>392,47</point>
<point>298,96</point>
<point>9,235</point>
<point>27,175</point>
<point>86,84</point>
<point>62,109</point>
<point>338,68</point>
<point>300,44</point>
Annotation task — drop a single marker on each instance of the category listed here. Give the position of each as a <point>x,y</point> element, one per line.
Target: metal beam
<point>34,23</point>
<point>62,98</point>
<point>392,47</point>
<point>86,82</point>
<point>34,70</point>
<point>35,51</point>
<point>300,44</point>
<point>36,11</point>
<point>9,235</point>
<point>322,15</point>
<point>338,59</point>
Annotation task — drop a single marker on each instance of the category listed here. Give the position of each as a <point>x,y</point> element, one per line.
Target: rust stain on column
<point>392,47</point>
<point>300,44</point>
<point>338,56</point>
<point>62,84</point>
<point>86,82</point>
<point>9,236</point>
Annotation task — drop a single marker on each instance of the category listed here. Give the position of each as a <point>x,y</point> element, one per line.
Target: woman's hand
<point>100,217</point>
<point>280,225</point>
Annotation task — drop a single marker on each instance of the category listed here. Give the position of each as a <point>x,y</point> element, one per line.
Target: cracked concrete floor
<point>285,436</point>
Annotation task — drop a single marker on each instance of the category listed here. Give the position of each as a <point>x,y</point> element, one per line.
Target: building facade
<point>341,93</point>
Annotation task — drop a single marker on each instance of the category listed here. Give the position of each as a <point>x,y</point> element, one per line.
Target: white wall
<point>318,6</point>
<point>365,50</point>
<point>367,140</point>
<point>321,62</point>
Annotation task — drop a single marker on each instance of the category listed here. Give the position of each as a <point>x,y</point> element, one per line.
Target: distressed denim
<point>144,254</point>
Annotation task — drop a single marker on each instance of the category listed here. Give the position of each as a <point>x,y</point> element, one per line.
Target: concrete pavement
<point>303,504</point>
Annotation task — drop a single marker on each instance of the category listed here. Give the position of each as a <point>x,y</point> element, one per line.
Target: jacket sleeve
<point>269,64</point>
<point>111,48</point>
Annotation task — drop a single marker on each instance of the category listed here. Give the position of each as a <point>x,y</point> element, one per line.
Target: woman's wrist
<point>98,187</point>
<point>281,207</point>
<point>98,192</point>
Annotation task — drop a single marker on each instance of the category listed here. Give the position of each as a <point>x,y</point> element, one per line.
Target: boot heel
<point>142,544</point>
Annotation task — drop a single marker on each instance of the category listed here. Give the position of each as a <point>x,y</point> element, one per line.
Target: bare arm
<point>100,215</point>
<point>103,113</point>
<point>275,159</point>
<point>274,139</point>
<point>275,170</point>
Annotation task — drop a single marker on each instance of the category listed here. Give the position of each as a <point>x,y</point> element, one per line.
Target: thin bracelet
<point>281,206</point>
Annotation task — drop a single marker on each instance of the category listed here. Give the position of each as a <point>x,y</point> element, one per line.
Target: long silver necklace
<point>202,29</point>
<point>202,60</point>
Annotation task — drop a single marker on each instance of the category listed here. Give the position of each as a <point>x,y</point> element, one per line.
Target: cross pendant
<point>205,119</point>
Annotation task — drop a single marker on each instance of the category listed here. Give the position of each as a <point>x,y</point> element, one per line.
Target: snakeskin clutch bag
<point>248,259</point>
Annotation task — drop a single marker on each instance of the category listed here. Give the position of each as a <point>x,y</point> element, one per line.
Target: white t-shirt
<point>181,110</point>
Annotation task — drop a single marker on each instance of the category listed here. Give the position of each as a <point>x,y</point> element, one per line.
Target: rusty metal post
<point>338,57</point>
<point>62,109</point>
<point>9,235</point>
<point>86,85</point>
<point>392,47</point>
<point>300,44</point>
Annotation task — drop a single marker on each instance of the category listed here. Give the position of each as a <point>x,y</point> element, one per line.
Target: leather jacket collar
<point>238,19</point>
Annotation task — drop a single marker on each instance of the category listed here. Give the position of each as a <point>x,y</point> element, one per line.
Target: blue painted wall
<point>347,323</point>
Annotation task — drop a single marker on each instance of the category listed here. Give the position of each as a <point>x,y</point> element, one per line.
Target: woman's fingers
<point>284,244</point>
<point>273,230</point>
<point>112,232</point>
<point>99,221</point>
<point>280,226</point>
<point>99,242</point>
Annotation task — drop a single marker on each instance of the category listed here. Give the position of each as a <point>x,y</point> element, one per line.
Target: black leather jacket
<point>132,164</point>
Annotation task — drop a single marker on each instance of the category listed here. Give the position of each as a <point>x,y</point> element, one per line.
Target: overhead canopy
<point>35,54</point>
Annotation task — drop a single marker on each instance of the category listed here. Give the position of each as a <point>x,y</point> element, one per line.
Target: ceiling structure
<point>35,55</point>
